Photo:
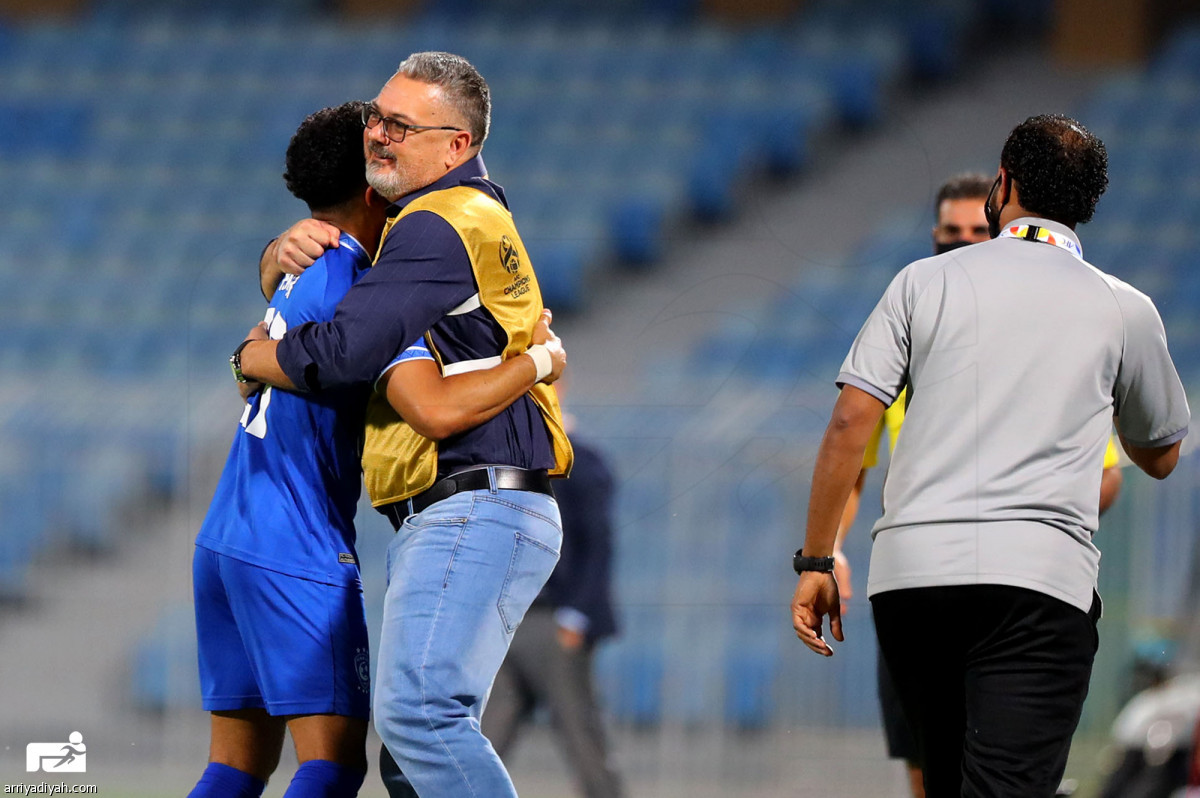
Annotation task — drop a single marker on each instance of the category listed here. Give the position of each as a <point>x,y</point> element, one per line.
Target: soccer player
<point>478,528</point>
<point>279,608</point>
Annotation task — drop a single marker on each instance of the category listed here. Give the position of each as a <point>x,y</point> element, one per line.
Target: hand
<point>569,639</point>
<point>541,330</point>
<point>258,332</point>
<point>542,334</point>
<point>302,243</point>
<point>841,572</point>
<point>248,389</point>
<point>816,596</point>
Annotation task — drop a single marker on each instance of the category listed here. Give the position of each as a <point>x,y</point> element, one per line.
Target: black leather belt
<point>506,478</point>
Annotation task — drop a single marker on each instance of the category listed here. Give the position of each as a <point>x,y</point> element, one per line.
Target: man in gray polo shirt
<point>1016,353</point>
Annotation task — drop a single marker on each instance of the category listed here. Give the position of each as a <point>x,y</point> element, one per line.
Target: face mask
<point>942,248</point>
<point>993,217</point>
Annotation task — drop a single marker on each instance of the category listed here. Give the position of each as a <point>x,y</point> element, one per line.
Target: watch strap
<point>235,361</point>
<point>802,563</point>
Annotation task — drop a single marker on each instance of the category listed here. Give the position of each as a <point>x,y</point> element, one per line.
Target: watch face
<point>235,365</point>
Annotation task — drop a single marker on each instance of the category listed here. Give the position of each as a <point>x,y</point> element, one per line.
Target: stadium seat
<point>22,532</point>
<point>146,244</point>
<point>163,670</point>
<point>630,676</point>
<point>751,665</point>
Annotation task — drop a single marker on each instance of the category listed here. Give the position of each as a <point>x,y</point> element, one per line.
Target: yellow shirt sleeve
<point>894,418</point>
<point>871,455</point>
<point>1111,456</point>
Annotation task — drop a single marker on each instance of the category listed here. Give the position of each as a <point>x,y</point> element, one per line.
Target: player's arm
<point>1110,487</point>
<point>1152,414</point>
<point>841,565</point>
<point>294,251</point>
<point>422,272</point>
<point>438,407</point>
<point>839,462</point>
<point>1111,477</point>
<point>1157,461</point>
<point>838,466</point>
<point>259,362</point>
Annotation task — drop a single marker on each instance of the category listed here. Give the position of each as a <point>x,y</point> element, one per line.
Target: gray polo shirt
<point>1017,353</point>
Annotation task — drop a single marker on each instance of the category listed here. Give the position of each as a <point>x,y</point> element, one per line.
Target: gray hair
<point>461,84</point>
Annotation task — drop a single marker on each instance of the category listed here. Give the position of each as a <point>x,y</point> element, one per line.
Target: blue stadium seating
<point>144,177</point>
<point>1145,232</point>
<point>163,672</point>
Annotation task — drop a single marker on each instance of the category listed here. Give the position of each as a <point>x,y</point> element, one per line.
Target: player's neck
<point>1011,212</point>
<point>1014,211</point>
<point>362,223</point>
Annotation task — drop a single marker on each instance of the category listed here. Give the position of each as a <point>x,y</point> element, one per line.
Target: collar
<point>353,242</point>
<point>1045,231</point>
<point>469,173</point>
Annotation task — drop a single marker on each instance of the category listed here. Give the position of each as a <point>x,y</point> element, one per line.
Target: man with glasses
<point>279,611</point>
<point>478,527</point>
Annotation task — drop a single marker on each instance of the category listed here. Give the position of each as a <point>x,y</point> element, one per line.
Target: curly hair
<point>325,165</point>
<point>1060,167</point>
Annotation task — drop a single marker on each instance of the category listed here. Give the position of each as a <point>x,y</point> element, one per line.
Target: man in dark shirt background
<point>550,661</point>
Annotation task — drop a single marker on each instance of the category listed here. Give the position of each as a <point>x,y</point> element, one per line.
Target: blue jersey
<point>287,497</point>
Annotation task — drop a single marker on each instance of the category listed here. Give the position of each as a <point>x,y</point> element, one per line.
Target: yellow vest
<point>399,463</point>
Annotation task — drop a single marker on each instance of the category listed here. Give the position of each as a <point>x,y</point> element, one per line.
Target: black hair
<point>967,185</point>
<point>1060,167</point>
<point>325,165</point>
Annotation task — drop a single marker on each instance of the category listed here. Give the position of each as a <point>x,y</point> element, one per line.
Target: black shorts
<point>992,679</point>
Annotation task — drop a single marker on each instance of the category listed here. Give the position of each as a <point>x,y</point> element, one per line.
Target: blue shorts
<point>284,643</point>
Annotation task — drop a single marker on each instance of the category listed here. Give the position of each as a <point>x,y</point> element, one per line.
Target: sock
<point>320,778</point>
<point>222,781</point>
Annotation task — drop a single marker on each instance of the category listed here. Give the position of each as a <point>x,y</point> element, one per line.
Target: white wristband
<point>541,359</point>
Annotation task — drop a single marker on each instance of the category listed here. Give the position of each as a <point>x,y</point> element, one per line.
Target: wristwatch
<point>235,361</point>
<point>802,563</point>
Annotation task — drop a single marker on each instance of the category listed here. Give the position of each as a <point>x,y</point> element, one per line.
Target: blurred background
<point>714,194</point>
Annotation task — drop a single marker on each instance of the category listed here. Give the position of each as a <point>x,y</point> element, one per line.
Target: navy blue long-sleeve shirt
<point>582,579</point>
<point>422,273</point>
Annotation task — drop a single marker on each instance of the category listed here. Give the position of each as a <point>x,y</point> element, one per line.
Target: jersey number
<point>256,424</point>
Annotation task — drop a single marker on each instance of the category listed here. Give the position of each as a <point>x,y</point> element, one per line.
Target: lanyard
<point>1031,232</point>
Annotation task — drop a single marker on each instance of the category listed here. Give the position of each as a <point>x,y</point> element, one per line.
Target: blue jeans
<point>461,575</point>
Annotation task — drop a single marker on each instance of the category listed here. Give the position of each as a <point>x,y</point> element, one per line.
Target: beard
<point>393,183</point>
<point>390,185</point>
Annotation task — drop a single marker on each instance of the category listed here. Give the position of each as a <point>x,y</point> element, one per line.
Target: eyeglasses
<point>394,129</point>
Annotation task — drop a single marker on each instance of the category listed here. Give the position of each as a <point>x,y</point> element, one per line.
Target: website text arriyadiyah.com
<point>46,788</point>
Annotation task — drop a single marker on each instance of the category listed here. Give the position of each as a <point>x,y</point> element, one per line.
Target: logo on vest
<point>508,255</point>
